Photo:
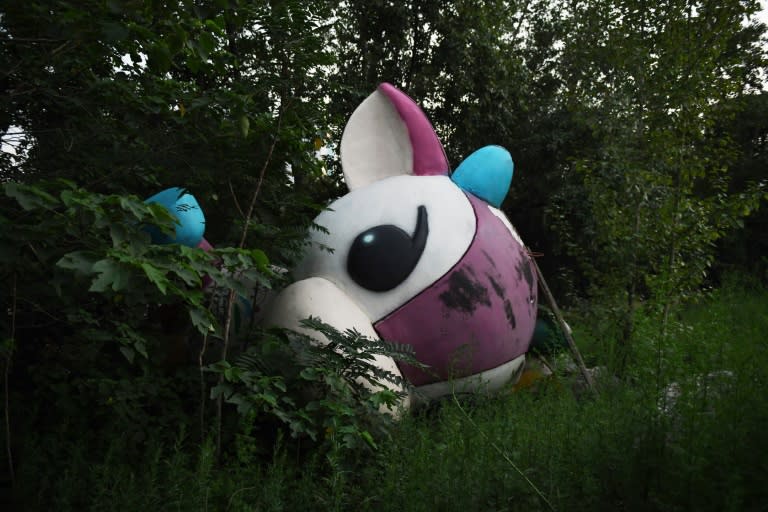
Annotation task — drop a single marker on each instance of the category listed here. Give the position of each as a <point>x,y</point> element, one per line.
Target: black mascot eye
<point>383,256</point>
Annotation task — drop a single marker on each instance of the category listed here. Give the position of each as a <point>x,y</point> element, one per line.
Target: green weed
<point>684,430</point>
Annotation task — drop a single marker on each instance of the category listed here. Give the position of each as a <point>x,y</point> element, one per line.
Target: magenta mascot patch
<point>420,256</point>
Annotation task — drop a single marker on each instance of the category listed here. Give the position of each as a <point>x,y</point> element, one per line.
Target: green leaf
<point>270,398</point>
<point>129,353</point>
<point>114,31</point>
<point>160,57</point>
<point>118,233</point>
<point>7,347</point>
<point>112,275</point>
<point>214,27</point>
<point>206,45</point>
<point>81,262</point>
<point>201,319</point>
<point>29,197</point>
<point>310,374</point>
<point>190,277</point>
<point>156,276</point>
<point>232,373</point>
<point>245,125</point>
<point>224,390</point>
<point>138,209</point>
<point>260,257</point>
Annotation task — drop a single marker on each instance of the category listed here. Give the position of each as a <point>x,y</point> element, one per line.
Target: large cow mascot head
<point>420,255</point>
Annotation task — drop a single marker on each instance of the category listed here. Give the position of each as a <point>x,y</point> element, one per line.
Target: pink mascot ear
<point>389,135</point>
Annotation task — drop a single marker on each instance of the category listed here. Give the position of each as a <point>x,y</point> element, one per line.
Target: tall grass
<point>684,430</point>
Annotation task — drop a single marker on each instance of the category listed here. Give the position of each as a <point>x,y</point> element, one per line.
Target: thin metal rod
<point>566,330</point>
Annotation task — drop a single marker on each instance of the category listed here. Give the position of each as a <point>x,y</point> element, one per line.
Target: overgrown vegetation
<point>635,447</point>
<point>638,134</point>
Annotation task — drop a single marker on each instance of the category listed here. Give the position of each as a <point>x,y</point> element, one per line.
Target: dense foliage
<point>638,134</point>
<point>676,441</point>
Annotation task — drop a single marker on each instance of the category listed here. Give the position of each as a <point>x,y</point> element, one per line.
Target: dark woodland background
<point>638,132</point>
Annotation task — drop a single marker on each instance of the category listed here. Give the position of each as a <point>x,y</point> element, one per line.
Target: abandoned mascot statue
<point>420,256</point>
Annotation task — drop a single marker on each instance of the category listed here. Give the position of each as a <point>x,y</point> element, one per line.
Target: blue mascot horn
<point>189,216</point>
<point>486,173</point>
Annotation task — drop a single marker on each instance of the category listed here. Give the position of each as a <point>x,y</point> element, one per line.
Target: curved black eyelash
<point>185,207</point>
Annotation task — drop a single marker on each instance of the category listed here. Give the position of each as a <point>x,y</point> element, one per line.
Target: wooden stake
<point>566,330</point>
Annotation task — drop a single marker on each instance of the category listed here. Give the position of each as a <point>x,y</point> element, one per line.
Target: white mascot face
<point>419,256</point>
